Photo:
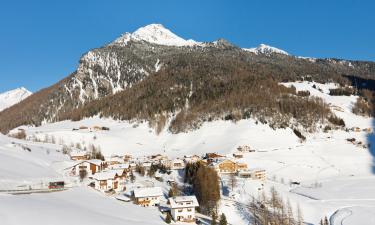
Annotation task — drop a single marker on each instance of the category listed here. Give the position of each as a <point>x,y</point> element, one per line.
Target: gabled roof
<point>183,202</point>
<point>105,175</point>
<point>97,162</point>
<point>120,166</point>
<point>218,162</point>
<point>78,153</point>
<point>148,192</point>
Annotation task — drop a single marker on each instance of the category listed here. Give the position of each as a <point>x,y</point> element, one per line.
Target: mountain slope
<point>152,74</point>
<point>13,97</point>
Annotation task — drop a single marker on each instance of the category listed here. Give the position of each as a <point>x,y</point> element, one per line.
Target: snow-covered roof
<point>116,159</point>
<point>256,170</point>
<point>148,192</point>
<point>105,175</point>
<point>78,153</point>
<point>97,162</point>
<point>146,164</point>
<point>221,160</point>
<point>183,202</point>
<point>120,166</point>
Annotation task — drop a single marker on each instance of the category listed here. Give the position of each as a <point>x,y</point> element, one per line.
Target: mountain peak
<point>12,97</point>
<point>156,34</point>
<point>266,49</point>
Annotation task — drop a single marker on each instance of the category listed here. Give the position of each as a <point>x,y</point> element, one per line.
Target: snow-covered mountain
<point>266,49</point>
<point>13,97</point>
<point>156,34</point>
<point>129,64</point>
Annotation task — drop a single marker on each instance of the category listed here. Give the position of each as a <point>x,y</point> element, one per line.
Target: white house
<point>89,166</point>
<point>183,208</point>
<point>109,180</point>
<point>177,164</point>
<point>79,155</point>
<point>149,196</point>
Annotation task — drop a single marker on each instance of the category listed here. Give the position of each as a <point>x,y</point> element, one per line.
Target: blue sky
<point>42,41</point>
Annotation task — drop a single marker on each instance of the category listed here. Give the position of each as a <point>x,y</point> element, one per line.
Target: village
<point>155,180</point>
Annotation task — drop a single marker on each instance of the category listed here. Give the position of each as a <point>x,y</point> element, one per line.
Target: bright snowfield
<point>265,49</point>
<point>336,176</point>
<point>157,34</point>
<point>75,206</point>
<point>13,97</point>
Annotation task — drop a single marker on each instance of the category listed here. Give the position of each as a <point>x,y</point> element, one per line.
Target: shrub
<point>168,218</point>
<point>347,91</point>
<point>336,121</point>
<point>298,134</point>
<point>303,93</point>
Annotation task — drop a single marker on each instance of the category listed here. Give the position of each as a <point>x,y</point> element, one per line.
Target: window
<point>180,210</point>
<point>189,209</point>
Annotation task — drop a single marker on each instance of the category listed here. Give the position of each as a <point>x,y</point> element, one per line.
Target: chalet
<point>224,166</point>
<point>238,155</point>
<point>241,166</point>
<point>356,129</point>
<point>191,158</point>
<point>367,130</point>
<point>146,165</point>
<point>258,174</point>
<point>245,174</point>
<point>89,167</point>
<point>183,208</point>
<point>109,180</point>
<point>127,158</point>
<point>245,148</point>
<point>177,164</point>
<point>96,128</point>
<point>123,166</point>
<point>158,158</point>
<point>79,155</point>
<point>213,157</point>
<point>115,160</point>
<point>133,166</point>
<point>149,196</point>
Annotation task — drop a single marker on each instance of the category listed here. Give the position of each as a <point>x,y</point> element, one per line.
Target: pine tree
<point>132,177</point>
<point>232,181</point>
<point>170,193</point>
<point>168,218</point>
<point>223,220</point>
<point>326,221</point>
<point>214,218</point>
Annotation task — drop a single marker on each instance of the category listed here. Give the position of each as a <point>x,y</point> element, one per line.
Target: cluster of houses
<point>91,129</point>
<point>113,175</point>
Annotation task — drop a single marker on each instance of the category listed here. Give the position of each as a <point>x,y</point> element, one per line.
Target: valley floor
<point>336,176</point>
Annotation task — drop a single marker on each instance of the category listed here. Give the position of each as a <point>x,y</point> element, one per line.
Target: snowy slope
<point>13,97</point>
<point>156,34</point>
<point>81,206</point>
<point>28,163</point>
<point>325,158</point>
<point>265,49</point>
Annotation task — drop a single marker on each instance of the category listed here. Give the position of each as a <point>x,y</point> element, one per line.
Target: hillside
<point>154,75</point>
<point>324,163</point>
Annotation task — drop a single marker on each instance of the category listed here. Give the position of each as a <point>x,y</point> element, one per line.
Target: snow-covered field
<point>336,176</point>
<point>75,206</point>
